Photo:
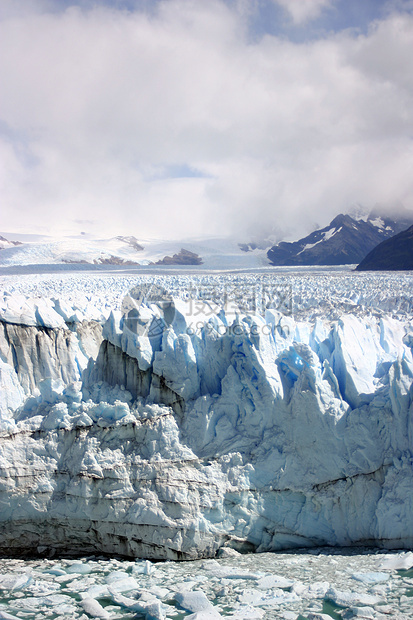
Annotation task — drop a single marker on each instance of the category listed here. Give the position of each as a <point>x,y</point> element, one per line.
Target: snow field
<point>326,294</point>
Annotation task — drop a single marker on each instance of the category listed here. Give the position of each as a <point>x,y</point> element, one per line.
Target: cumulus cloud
<point>304,10</point>
<point>173,123</point>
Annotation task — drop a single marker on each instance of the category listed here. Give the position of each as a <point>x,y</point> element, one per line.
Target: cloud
<point>302,11</point>
<point>172,123</point>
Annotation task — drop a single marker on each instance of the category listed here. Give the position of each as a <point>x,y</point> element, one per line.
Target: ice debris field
<point>181,417</point>
<point>316,586</point>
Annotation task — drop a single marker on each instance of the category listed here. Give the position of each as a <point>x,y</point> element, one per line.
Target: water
<point>339,583</point>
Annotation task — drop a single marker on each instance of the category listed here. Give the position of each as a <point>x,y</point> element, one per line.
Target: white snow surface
<point>216,253</point>
<point>325,237</point>
<point>255,412</point>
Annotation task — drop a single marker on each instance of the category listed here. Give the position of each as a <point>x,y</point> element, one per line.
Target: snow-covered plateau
<point>166,417</point>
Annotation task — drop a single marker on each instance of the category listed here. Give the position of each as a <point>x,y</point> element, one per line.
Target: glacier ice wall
<point>161,436</point>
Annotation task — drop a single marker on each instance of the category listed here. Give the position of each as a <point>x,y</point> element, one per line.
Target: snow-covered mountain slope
<point>345,240</point>
<point>219,253</point>
<point>170,429</point>
<point>5,243</point>
<point>117,250</point>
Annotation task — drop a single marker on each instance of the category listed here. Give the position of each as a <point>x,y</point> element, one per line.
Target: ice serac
<point>161,436</point>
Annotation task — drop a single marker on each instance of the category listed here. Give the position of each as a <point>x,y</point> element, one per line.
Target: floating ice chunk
<point>314,590</point>
<point>184,586</point>
<point>194,601</point>
<point>14,582</point>
<point>152,610</point>
<point>5,616</point>
<point>317,616</point>
<point>371,578</point>
<point>119,581</point>
<point>35,603</point>
<point>288,615</point>
<point>140,567</point>
<point>160,592</point>
<point>247,612</point>
<point>204,615</point>
<point>116,576</point>
<point>148,568</point>
<point>401,561</point>
<point>250,597</point>
<point>55,570</point>
<point>351,599</point>
<point>274,581</point>
<point>280,597</point>
<point>228,552</point>
<point>98,591</point>
<point>211,565</point>
<point>359,612</point>
<point>42,587</point>
<point>228,572</point>
<point>273,597</point>
<point>94,609</point>
<point>66,578</point>
<point>81,585</point>
<point>79,568</point>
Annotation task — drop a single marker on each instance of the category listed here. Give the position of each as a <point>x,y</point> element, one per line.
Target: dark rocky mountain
<point>184,257</point>
<point>108,260</point>
<point>132,241</point>
<point>344,241</point>
<point>395,254</point>
<point>5,243</point>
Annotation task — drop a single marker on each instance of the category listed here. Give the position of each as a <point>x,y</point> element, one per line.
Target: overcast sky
<point>179,118</point>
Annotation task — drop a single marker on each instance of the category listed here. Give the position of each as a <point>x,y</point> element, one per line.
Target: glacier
<point>170,428</point>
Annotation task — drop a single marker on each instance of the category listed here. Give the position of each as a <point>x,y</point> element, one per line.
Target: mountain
<point>5,243</point>
<point>183,257</point>
<point>394,254</point>
<point>72,250</point>
<point>212,253</point>
<point>344,241</point>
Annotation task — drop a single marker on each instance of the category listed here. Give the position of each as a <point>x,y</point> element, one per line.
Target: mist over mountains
<point>345,241</point>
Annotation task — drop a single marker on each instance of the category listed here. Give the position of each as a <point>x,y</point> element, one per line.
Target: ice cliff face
<point>162,435</point>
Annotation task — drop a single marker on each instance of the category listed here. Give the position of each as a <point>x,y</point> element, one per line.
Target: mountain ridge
<point>394,254</point>
<point>344,241</point>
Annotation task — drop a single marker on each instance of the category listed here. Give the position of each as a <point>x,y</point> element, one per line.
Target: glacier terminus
<point>168,427</point>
